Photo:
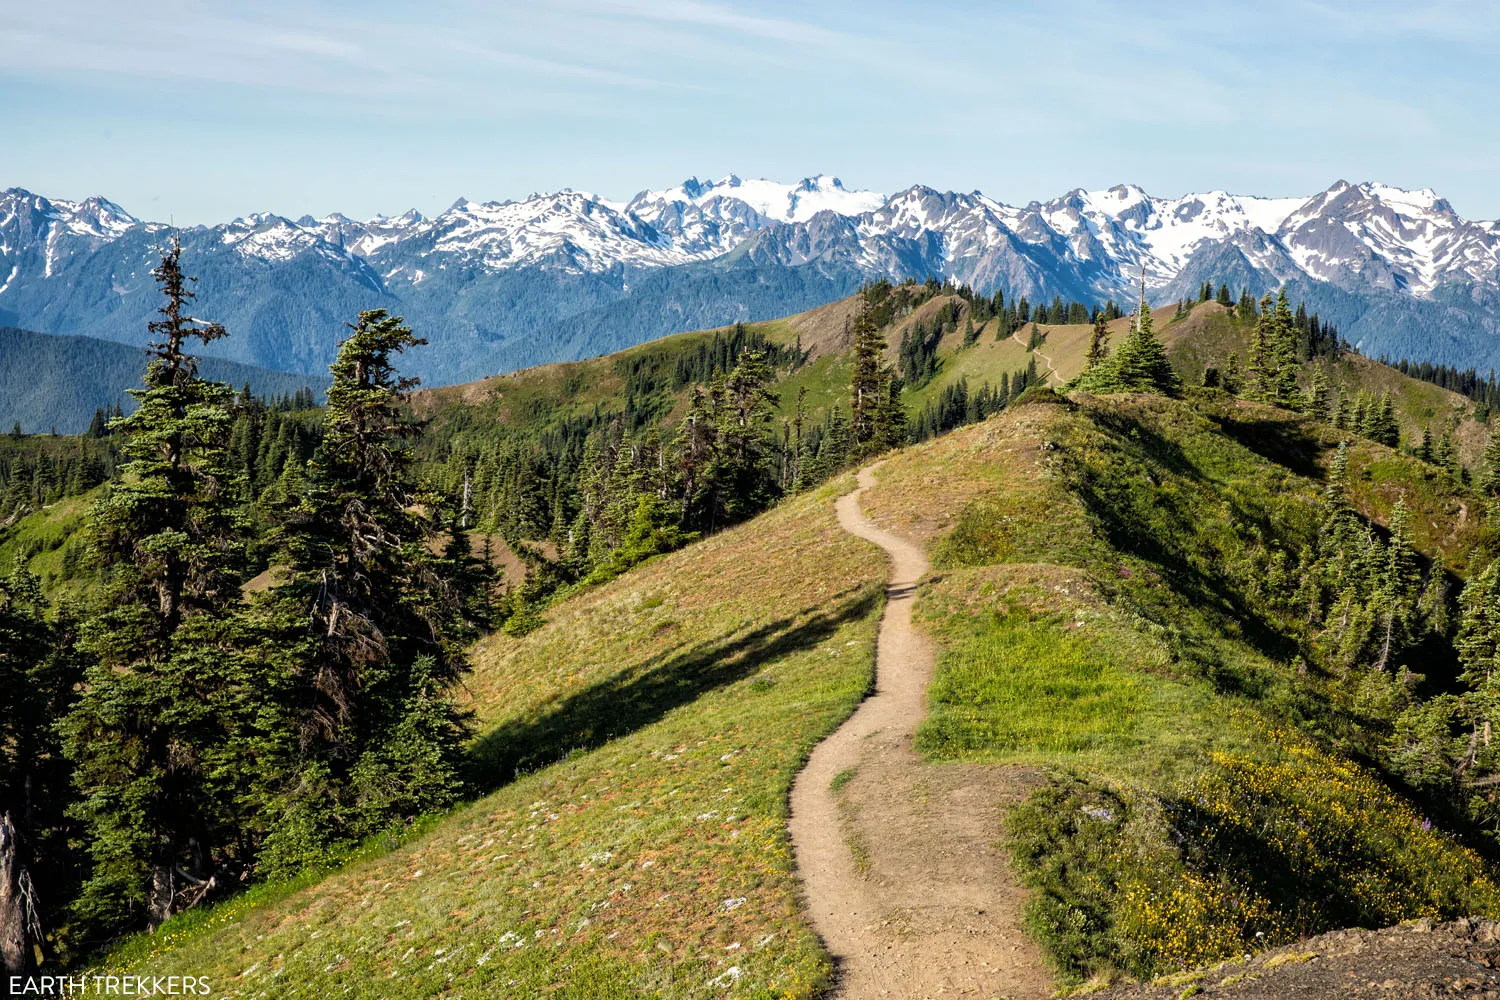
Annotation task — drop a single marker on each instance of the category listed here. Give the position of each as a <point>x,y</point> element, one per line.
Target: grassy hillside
<point>1116,598</point>
<point>1109,598</point>
<point>1210,332</point>
<point>573,390</point>
<point>638,749</point>
<point>50,544</point>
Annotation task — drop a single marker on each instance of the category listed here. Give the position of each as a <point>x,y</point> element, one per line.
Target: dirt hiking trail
<point>903,877</point>
<point>1051,371</point>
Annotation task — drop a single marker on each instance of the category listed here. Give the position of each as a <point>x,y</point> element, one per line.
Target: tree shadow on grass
<point>1286,442</point>
<point>1162,527</point>
<point>641,694</point>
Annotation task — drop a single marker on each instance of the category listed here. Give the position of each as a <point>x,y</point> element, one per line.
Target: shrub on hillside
<point>1266,846</point>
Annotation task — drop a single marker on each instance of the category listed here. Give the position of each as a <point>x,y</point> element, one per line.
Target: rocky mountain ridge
<point>511,283</point>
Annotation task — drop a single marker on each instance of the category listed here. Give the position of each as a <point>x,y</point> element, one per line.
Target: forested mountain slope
<point>50,383</point>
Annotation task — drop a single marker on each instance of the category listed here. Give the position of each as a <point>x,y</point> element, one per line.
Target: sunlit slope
<point>574,390</point>
<point>641,745</point>
<point>1209,333</point>
<point>51,544</point>
<point>1113,599</point>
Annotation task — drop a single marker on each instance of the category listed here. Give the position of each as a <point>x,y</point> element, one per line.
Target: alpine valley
<point>498,286</point>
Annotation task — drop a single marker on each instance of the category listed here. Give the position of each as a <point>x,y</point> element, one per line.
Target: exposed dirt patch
<point>1417,959</point>
<point>825,330</point>
<point>426,402</point>
<point>901,865</point>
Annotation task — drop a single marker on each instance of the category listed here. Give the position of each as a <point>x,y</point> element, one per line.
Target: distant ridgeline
<point>50,382</point>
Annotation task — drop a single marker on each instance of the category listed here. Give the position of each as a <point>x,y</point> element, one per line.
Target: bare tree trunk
<point>14,957</point>
<point>163,890</point>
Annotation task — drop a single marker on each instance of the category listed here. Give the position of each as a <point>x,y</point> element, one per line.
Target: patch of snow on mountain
<point>571,228</point>
<point>770,199</point>
<point>1170,230</point>
<point>1267,214</point>
<point>1421,201</point>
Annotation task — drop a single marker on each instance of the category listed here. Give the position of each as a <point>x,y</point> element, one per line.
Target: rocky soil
<point>1419,959</point>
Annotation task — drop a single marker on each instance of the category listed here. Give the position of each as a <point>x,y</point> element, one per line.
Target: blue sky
<point>204,111</point>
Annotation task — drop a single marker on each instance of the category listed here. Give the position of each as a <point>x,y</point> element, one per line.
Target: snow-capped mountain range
<point>514,282</point>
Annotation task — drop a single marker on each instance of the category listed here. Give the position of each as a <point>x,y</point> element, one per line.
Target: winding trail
<point>903,876</point>
<point>1051,371</point>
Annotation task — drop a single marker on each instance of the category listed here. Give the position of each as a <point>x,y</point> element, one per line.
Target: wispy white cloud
<point>1021,99</point>
<point>722,17</point>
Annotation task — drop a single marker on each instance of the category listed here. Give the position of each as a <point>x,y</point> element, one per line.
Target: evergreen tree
<point>151,733</point>
<point>39,675</point>
<point>1259,372</point>
<point>744,473</point>
<point>1224,298</point>
<point>365,628</point>
<point>1489,481</point>
<point>1233,377</point>
<point>1098,343</point>
<point>1273,353</point>
<point>1282,362</point>
<point>891,426</point>
<point>1400,588</point>
<point>867,383</point>
<point>1478,638</point>
<point>1139,365</point>
<point>879,422</point>
<point>1380,423</point>
<point>1316,400</point>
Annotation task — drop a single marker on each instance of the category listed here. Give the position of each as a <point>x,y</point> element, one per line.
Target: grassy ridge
<point>1105,571</point>
<point>1209,333</point>
<point>656,723</point>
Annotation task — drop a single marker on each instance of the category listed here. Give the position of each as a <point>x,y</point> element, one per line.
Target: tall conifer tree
<point>1140,364</point>
<point>1098,342</point>
<point>867,383</point>
<point>150,736</point>
<point>366,625</point>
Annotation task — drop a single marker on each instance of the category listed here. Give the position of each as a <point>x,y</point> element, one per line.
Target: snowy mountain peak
<point>100,217</point>
<point>770,200</point>
<point>1365,235</point>
<point>1378,236</point>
